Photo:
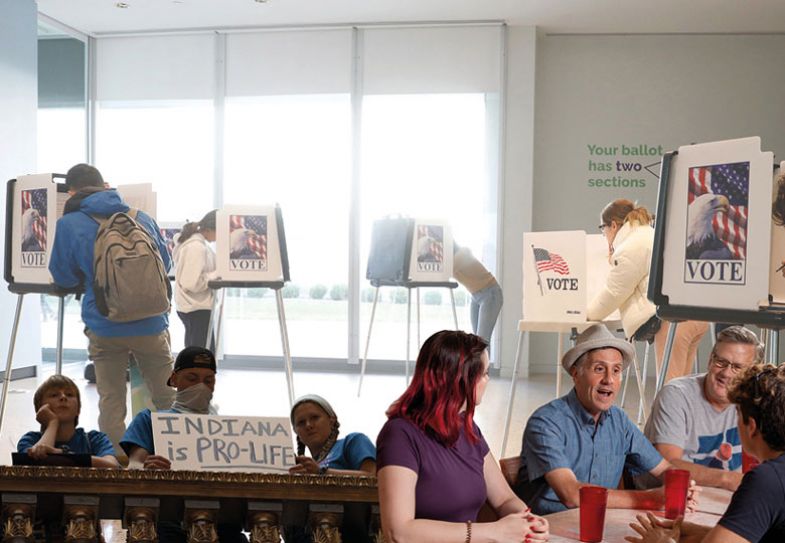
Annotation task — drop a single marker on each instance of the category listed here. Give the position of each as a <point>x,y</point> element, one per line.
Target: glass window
<point>295,151</point>
<point>426,156</point>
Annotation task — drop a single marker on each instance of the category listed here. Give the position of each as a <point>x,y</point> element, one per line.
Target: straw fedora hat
<point>597,336</point>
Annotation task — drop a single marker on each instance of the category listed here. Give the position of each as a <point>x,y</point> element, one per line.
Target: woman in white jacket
<point>194,266</point>
<point>630,236</point>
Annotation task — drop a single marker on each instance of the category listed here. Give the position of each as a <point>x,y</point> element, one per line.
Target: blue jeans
<point>484,310</point>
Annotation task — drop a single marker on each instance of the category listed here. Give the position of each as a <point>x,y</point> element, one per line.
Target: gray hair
<point>743,335</point>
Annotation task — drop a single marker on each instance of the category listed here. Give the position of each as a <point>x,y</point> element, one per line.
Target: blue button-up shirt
<point>562,434</point>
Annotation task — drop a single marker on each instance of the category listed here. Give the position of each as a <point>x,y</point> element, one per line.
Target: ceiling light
<point>260,1</point>
<point>122,5</point>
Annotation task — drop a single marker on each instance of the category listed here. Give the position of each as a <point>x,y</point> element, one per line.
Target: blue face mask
<point>194,399</point>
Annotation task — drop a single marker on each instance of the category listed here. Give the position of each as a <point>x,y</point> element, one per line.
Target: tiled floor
<point>263,393</point>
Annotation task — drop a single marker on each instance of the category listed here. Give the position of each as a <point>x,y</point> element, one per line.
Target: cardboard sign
<point>220,443</point>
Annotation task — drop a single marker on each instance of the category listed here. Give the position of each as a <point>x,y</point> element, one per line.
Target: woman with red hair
<point>435,468</point>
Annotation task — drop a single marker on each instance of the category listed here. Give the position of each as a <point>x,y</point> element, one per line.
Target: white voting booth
<point>251,253</point>
<point>562,272</point>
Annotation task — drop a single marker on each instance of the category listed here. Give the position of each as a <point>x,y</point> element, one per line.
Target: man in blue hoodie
<point>110,343</point>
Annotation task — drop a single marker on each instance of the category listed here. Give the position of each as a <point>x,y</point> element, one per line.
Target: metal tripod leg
<point>643,391</point>
<point>367,342</point>
<point>10,357</point>
<point>211,322</point>
<point>624,387</point>
<point>220,321</point>
<point>60,324</point>
<point>511,398</point>
<point>666,357</point>
<point>455,313</point>
<point>559,354</point>
<point>287,357</point>
<point>408,329</point>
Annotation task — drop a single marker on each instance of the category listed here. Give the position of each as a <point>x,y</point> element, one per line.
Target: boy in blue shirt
<point>57,406</point>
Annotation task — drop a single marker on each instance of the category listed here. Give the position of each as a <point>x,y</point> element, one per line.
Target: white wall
<point>640,90</point>
<point>18,104</point>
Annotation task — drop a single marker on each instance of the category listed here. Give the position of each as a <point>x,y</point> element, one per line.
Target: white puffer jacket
<point>194,266</point>
<point>628,279</point>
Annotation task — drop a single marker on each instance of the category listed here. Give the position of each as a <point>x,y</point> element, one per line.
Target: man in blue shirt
<point>110,343</point>
<point>582,438</point>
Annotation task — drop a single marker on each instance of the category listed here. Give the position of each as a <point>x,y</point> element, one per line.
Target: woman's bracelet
<point>468,531</point>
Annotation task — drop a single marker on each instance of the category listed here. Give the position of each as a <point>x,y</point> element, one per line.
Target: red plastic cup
<point>748,462</point>
<point>593,501</point>
<point>677,481</point>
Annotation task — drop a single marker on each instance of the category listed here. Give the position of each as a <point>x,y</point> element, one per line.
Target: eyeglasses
<point>602,227</point>
<point>721,363</point>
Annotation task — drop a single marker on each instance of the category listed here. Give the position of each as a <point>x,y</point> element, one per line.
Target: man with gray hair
<point>694,425</point>
<point>583,439</point>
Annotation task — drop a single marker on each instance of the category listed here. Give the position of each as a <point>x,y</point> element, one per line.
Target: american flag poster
<point>169,233</point>
<point>430,248</point>
<point>717,214</point>
<point>33,228</point>
<point>248,242</point>
<point>550,261</point>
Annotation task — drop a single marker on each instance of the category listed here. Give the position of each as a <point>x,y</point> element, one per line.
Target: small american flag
<point>36,199</point>
<point>257,239</point>
<point>435,234</point>
<point>168,234</point>
<point>550,261</point>
<point>731,181</point>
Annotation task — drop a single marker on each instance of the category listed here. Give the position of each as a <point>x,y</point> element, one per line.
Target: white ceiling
<point>97,17</point>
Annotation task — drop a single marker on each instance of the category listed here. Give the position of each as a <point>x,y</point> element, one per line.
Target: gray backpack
<point>130,282</point>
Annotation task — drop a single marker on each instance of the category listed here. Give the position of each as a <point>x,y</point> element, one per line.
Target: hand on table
<point>655,530</point>
<point>693,492</point>
<point>305,464</point>
<point>518,527</point>
<point>155,461</point>
<point>39,451</point>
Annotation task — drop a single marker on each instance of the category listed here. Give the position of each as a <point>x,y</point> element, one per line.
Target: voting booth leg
<point>641,386</point>
<point>367,342</point>
<point>647,348</point>
<point>418,318</point>
<point>559,348</point>
<point>624,388</point>
<point>10,358</point>
<point>511,399</point>
<point>408,329</point>
<point>772,346</point>
<point>287,357</point>
<point>220,321</point>
<point>60,324</point>
<point>455,313</point>
<point>211,322</point>
<point>666,357</point>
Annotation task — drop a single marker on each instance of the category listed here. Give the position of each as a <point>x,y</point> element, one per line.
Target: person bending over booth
<point>57,406</point>
<point>757,509</point>
<point>583,439</point>
<point>435,468</point>
<point>630,236</point>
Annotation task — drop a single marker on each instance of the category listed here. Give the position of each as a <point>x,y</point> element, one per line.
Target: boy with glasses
<point>693,424</point>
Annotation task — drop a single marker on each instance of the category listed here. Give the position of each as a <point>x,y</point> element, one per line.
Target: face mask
<point>194,399</point>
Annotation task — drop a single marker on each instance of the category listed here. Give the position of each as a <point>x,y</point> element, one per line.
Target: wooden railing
<point>78,498</point>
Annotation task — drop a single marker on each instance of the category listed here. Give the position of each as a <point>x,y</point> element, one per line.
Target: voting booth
<point>251,252</point>
<point>717,251</point>
<point>409,253</point>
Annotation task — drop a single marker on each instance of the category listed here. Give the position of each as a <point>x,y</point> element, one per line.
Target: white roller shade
<point>156,67</point>
<point>431,59</point>
<point>289,62</point>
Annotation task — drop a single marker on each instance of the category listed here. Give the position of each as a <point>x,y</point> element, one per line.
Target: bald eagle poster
<point>717,225</point>
<point>247,247</point>
<point>432,247</point>
<point>36,205</point>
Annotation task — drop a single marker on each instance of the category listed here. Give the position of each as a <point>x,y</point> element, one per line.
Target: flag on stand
<point>731,181</point>
<point>36,199</point>
<point>550,261</point>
